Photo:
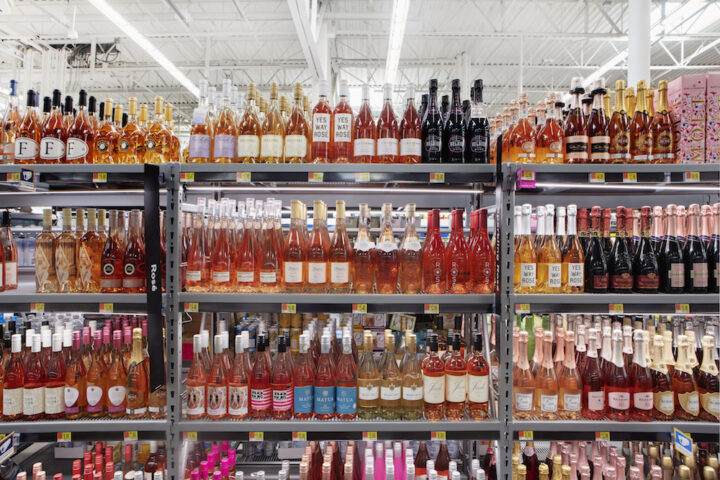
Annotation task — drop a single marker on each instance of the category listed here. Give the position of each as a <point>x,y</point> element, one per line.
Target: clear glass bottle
<point>523,138</point>
<point>273,131</point>
<point>523,383</point>
<point>569,383</point>
<point>224,131</point>
<point>294,254</point>
<point>134,258</point>
<point>64,257</point>
<point>29,131</point>
<point>89,259</point>
<point>386,255</point>
<point>546,384</point>
<point>318,251</point>
<point>412,381</point>
<point>617,383</point>
<point>321,116</point>
<point>457,259</point>
<point>106,137</point>
<point>433,257</point>
<point>687,400</point>
<point>456,380</point>
<point>368,381</point>
<point>433,383</point>
<point>297,131</point>
<point>525,277</point>
<point>363,273</point>
<point>364,133</point>
<point>137,379</point>
<point>342,128</point>
<point>45,277</point>
<point>549,273</point>
<point>346,382</point>
<point>575,134</point>
<point>391,383</point>
<point>410,131</point>
<point>388,135</point>
<point>54,134</point>
<point>410,262</point>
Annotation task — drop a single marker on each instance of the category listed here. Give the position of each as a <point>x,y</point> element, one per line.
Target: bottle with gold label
<point>224,142</point>
<point>65,256</point>
<point>249,130</point>
<point>273,131</point>
<point>172,142</point>
<point>131,141</point>
<point>707,383</point>
<point>45,277</point>
<point>687,402</point>
<point>137,379</point>
<point>640,137</point>
<point>89,260</point>
<point>156,136</point>
<point>297,131</point>
<point>618,128</point>
<point>663,145</point>
<point>106,136</point>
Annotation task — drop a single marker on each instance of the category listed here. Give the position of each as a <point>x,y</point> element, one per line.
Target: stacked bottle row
<point>8,256</point>
<point>329,380</point>
<point>68,370</point>
<point>635,131</point>
<point>93,260</point>
<point>149,462</point>
<point>642,372</point>
<point>633,460</point>
<point>275,134</point>
<point>63,134</point>
<point>245,250</point>
<point>653,249</point>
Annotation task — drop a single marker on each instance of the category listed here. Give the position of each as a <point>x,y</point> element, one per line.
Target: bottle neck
<point>639,356</point>
<point>571,225</point>
<point>617,357</point>
<point>522,355</point>
<point>693,230</point>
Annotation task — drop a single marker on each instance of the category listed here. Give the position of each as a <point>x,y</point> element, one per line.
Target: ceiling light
<point>395,41</point>
<point>145,44</point>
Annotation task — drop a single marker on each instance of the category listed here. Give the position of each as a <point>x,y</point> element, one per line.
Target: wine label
<point>33,401</point>
<point>224,146</point>
<point>600,282</point>
<point>596,400</point>
<point>624,281</point>
<point>245,277</point>
<point>699,275</point>
<point>554,275</point>
<point>51,148</point>
<point>293,272</point>
<point>346,401</point>
<point>649,281</point>
<point>268,277</point>
<point>523,402</point>
<point>548,403</point>
<point>412,393</point>
<point>271,146</point>
<point>412,245</point>
<point>576,274</point>
<point>571,402</point>
<point>600,148</point>
<point>619,400</point>
<point>528,274</point>
<point>433,389</point>
<point>478,388</point>
<point>689,402</point>
<point>364,147</point>
<point>324,400</point>
<point>193,275</point>
<point>71,397</point>
<point>321,127</point>
<point>479,144</point>
<point>364,245</point>
<point>77,148</point>
<point>343,127</point>
<point>200,146</point>
<point>411,147</point>
<point>26,149</point>
<point>94,394</point>
<point>248,146</point>
<point>116,395</point>
<point>455,388</point>
<point>391,392</point>
<point>433,144</point>
<point>643,400</point>
<point>217,400</point>
<point>282,399</point>
<point>195,400</point>
<point>664,402</point>
<point>387,246</point>
<point>261,398</point>
<point>317,272</point>
<point>576,147</point>
<point>303,399</point>
<point>238,400</point>
<point>13,401</point>
<point>369,392</point>
<point>221,277</point>
<point>456,144</point>
<point>295,146</point>
<point>387,146</point>
<point>339,272</point>
<point>54,402</point>
<point>710,402</point>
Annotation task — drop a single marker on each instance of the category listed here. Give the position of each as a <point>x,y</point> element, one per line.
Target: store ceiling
<point>258,41</point>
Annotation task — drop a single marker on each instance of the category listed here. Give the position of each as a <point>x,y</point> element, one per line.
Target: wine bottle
<point>670,259</point>
<point>477,143</point>
<point>645,265</point>
<point>695,255</point>
<point>432,128</point>
<point>620,260</point>
<point>596,269</point>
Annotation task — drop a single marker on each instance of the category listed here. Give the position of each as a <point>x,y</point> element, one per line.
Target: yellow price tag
<point>525,436</point>
<point>299,436</point>
<point>602,436</point>
<point>616,308</point>
<point>187,177</point>
<point>438,436</point>
<point>362,177</point>
<point>37,307</point>
<point>192,307</point>
<point>629,177</point>
<point>64,436</point>
<point>359,308</point>
<point>106,308</point>
<point>315,177</point>
<point>522,308</point>
<point>597,177</point>
<point>13,177</point>
<point>288,308</point>
<point>243,177</point>
<point>100,177</point>
<point>527,175</point>
<point>130,436</point>
<point>432,308</point>
<point>369,436</point>
<point>190,436</point>
<point>437,177</point>
<point>682,308</point>
<point>692,177</point>
<point>255,436</point>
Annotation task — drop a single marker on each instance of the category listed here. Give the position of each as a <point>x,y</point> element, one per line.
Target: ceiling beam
<point>314,41</point>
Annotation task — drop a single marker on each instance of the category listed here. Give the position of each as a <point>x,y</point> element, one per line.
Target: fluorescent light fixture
<point>395,41</point>
<point>145,44</point>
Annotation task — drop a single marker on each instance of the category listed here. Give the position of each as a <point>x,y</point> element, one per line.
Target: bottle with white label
<point>410,131</point>
<point>617,383</point>
<point>391,383</point>
<point>297,131</point>
<point>523,382</point>
<point>55,380</point>
<point>549,274</point>
<point>386,255</point>
<point>573,258</point>
<point>321,146</point>
<point>273,131</point>
<point>340,253</point>
<point>478,371</point>
<point>569,383</point>
<point>249,130</point>
<point>641,382</point>
<point>294,264</point>
<point>455,382</point>
<point>525,268</point>
<point>369,381</point>
<point>318,264</point>
<point>80,134</point>
<point>225,134</point>
<point>27,143</point>
<point>410,259</point>
<point>33,398</point>
<point>412,383</point>
<point>364,134</point>
<point>341,128</point>
<point>434,383</point>
<point>546,385</point>
<point>14,382</point>
<point>387,130</point>
<point>201,129</point>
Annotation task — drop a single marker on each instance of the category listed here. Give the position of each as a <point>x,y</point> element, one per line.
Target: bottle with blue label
<point>346,394</point>
<point>303,379</point>
<point>325,381</point>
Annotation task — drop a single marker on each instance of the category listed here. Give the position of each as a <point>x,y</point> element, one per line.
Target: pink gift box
<point>687,103</point>
<point>712,108</point>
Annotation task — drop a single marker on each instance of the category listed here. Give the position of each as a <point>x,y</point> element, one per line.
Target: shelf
<point>87,429</point>
<point>339,430</point>
<point>359,173</point>
<point>25,299</point>
<point>639,431</point>
<point>66,176</point>
<point>660,303</point>
<point>336,303</point>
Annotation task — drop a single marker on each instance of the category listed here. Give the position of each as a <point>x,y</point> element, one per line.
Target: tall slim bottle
<point>45,276</point>
<point>482,258</point>
<point>687,400</point>
<point>663,142</point>
<point>341,128</point>
<point>549,273</point>
<point>596,269</point>
<point>457,258</point>
<point>410,261</point>
<point>386,255</point>
<point>318,252</point>
<point>224,131</point>
<point>525,277</point>
<point>432,128</point>
<point>340,253</point>
<point>106,136</point>
<point>75,381</point>
<point>137,379</point>
<point>363,272</point>
<point>321,115</point>
<point>390,383</point>
<point>346,382</point>
<point>89,265</point>
<point>273,131</point>
<point>368,381</point>
<point>593,381</point>
<point>617,383</point>
<point>433,383</point>
<point>523,382</point>
<point>388,135</point>
<point>695,255</point>
<point>64,257</point>
<point>620,264</point>
<point>575,127</point>
<point>29,131</point>
<point>96,379</point>
<point>573,258</point>
<point>324,386</point>
<point>598,128</point>
<point>618,128</point>
<point>54,134</point>
<point>133,280</point>
<point>410,131</point>
<point>157,136</point>
<point>640,136</point>
<point>456,380</point>
<point>217,392</point>
<point>364,134</point>
<point>34,384</point>
<point>546,384</point>
<point>238,388</point>
<point>116,379</point>
<point>412,382</point>
<point>249,130</point>
<point>294,255</point>
<point>477,135</point>
<point>281,382</point>
<point>433,257</point>
<point>523,138</point>
<point>641,381</point>
<point>453,146</point>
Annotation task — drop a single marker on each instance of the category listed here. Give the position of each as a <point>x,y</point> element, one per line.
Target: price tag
<point>13,177</point>
<point>682,308</point>
<point>431,308</point>
<point>362,177</point>
<point>243,177</point>
<point>192,307</point>
<point>359,308</point>
<point>525,436</point>
<point>37,307</point>
<point>190,436</point>
<point>597,177</point>
<point>315,177</point>
<point>106,308</point>
<point>131,436</point>
<point>682,442</point>
<point>288,308</point>
<point>27,180</point>
<point>692,177</point>
<point>437,177</point>
<point>522,308</point>
<point>299,436</point>
<point>615,308</point>
<point>526,179</point>
<point>64,436</point>
<point>369,436</point>
<point>256,436</point>
<point>187,177</point>
<point>629,177</point>
<point>438,436</point>
<point>602,436</point>
<point>99,177</point>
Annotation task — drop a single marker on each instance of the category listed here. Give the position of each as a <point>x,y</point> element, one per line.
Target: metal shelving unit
<point>661,303</point>
<point>87,429</point>
<point>619,431</point>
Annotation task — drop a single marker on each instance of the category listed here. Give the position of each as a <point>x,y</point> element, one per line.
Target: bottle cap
<point>576,85</point>
<point>365,91</point>
<point>323,88</point>
<point>387,91</point>
<point>344,88</point>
